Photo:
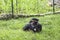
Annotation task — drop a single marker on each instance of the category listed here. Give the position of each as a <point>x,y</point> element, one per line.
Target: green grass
<point>25,6</point>
<point>12,29</point>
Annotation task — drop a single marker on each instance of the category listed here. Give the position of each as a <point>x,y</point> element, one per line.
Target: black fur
<point>35,27</point>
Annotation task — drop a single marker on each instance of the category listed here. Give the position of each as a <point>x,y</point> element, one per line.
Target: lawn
<point>12,29</point>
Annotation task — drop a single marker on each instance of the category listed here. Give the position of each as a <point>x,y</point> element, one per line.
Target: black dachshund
<point>33,25</point>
